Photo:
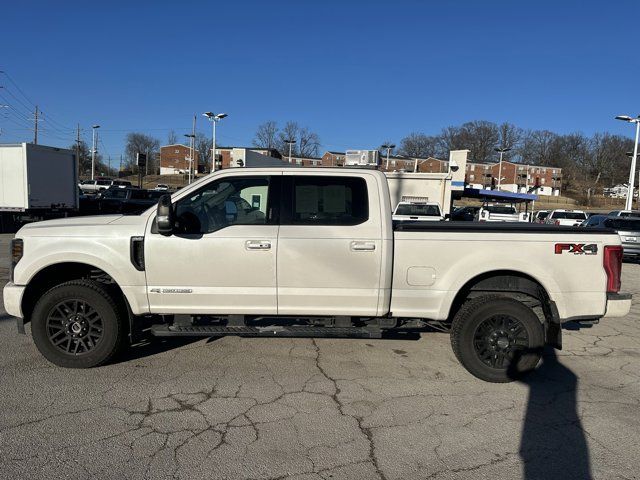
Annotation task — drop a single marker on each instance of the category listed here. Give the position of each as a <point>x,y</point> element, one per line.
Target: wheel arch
<point>507,282</point>
<point>61,272</point>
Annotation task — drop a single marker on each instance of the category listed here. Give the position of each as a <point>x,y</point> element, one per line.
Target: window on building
<point>473,167</point>
<point>471,177</point>
<point>329,201</point>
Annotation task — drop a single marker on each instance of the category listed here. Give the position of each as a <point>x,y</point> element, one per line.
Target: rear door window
<point>335,200</point>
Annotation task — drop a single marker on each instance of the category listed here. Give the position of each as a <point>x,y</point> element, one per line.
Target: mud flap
<point>553,334</point>
<point>20,325</point>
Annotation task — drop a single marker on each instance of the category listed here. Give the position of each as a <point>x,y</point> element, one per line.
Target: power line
<point>17,87</point>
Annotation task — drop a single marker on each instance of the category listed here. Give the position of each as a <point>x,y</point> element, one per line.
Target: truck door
<point>329,245</point>
<point>222,258</point>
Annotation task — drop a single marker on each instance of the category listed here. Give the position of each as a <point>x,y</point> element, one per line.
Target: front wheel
<point>78,325</point>
<point>497,338</point>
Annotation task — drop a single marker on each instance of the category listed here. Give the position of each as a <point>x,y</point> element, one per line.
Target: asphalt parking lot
<point>325,408</point>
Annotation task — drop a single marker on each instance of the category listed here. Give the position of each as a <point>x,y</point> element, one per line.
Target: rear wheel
<point>78,325</point>
<point>497,338</point>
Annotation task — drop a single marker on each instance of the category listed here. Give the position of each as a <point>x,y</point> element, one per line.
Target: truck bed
<point>495,227</point>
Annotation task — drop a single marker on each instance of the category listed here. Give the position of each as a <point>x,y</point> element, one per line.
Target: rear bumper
<point>618,305</point>
<point>630,249</point>
<point>12,296</point>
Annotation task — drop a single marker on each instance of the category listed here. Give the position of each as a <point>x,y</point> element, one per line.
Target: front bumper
<point>12,295</point>
<point>618,305</point>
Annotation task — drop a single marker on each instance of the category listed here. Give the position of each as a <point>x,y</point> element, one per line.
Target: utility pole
<point>93,152</point>
<point>78,149</point>
<point>193,155</point>
<point>35,130</point>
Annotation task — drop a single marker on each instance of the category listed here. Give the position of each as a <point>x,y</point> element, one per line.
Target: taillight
<point>612,263</point>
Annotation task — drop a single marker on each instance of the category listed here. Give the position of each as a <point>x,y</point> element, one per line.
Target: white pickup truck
<point>306,252</point>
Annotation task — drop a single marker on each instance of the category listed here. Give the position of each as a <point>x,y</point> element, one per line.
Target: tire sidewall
<point>500,306</point>
<point>111,326</point>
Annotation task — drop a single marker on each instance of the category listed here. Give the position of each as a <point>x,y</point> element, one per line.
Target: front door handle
<point>257,245</point>
<point>363,246</point>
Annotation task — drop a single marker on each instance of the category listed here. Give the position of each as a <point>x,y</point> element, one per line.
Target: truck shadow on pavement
<point>153,346</point>
<point>553,443</point>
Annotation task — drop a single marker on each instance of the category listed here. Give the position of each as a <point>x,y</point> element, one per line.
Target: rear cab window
<point>331,200</point>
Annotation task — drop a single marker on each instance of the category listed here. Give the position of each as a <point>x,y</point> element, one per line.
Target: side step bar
<point>271,331</point>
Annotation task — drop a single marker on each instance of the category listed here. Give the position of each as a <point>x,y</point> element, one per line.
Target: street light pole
<point>388,146</point>
<point>93,152</point>
<point>214,118</point>
<point>501,150</point>
<point>191,138</point>
<point>632,173</point>
<point>290,142</point>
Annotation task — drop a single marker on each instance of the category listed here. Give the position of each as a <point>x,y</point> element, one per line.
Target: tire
<point>78,324</point>
<point>497,339</point>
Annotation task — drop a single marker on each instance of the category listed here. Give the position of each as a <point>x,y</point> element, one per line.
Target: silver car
<point>628,229</point>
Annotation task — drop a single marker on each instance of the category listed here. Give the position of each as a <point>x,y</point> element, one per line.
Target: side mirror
<point>165,218</point>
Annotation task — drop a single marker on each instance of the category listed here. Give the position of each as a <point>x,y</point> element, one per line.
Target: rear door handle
<point>363,246</point>
<point>257,245</point>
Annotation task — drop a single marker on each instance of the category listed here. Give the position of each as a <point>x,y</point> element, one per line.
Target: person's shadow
<point>553,444</point>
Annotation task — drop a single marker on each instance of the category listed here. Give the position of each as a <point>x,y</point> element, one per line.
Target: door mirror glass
<point>165,218</point>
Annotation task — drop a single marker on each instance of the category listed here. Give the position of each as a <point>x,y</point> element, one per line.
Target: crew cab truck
<point>296,252</point>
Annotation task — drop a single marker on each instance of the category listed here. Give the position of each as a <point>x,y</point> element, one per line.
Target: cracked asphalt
<point>310,409</point>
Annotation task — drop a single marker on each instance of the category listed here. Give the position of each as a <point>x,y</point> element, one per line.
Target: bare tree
<point>142,143</point>
<point>266,135</point>
<point>509,136</point>
<point>307,142</point>
<point>419,145</point>
<point>172,138</point>
<point>537,147</point>
<point>203,147</point>
<point>84,160</point>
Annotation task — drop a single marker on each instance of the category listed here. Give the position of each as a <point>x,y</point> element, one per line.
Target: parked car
<point>126,200</point>
<point>566,218</point>
<point>497,213</point>
<point>540,216</point>
<point>625,213</point>
<point>464,214</point>
<point>627,228</point>
<point>100,184</point>
<point>417,212</point>
<point>189,268</point>
<point>161,187</point>
<point>94,186</point>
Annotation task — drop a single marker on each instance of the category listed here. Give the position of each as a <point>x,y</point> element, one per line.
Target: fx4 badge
<point>576,248</point>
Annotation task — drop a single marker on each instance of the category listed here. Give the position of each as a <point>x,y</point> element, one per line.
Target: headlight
<point>17,250</point>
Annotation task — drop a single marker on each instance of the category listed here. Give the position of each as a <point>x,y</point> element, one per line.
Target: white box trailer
<point>37,179</point>
<point>420,188</point>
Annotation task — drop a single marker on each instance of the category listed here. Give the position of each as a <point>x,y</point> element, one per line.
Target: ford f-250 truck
<point>297,252</point>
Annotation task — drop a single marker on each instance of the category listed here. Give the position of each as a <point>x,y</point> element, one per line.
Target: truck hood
<point>91,226</point>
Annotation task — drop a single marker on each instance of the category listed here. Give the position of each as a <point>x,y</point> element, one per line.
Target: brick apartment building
<point>333,159</point>
<point>225,159</point>
<point>486,174</point>
<point>175,159</point>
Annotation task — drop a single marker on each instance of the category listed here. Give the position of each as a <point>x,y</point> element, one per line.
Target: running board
<point>271,331</point>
